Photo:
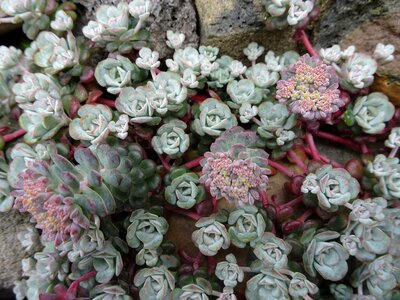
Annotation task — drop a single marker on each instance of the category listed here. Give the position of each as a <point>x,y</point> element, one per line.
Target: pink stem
<point>298,161</point>
<point>281,168</point>
<point>12,136</point>
<point>74,286</point>
<point>337,139</point>
<point>214,205</point>
<point>211,264</point>
<point>306,42</point>
<point>194,163</point>
<point>306,215</point>
<point>185,256</point>
<point>291,203</point>
<point>311,144</point>
<point>264,198</point>
<point>108,102</point>
<point>164,162</point>
<point>183,212</point>
<point>325,159</point>
<point>198,260</point>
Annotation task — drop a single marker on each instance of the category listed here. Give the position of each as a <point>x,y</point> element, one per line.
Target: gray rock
<point>11,251</point>
<point>175,15</point>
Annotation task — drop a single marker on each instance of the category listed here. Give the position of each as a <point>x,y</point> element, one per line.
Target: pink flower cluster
<point>237,180</point>
<point>54,214</point>
<point>311,89</point>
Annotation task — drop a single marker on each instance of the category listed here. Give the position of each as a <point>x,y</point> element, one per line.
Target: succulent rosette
<point>268,285</point>
<point>326,257</point>
<point>262,76</point>
<point>371,112</point>
<point>341,291</point>
<point>333,187</point>
<point>221,76</point>
<point>211,236</point>
<point>243,91</point>
<point>6,199</point>
<point>272,251</point>
<point>235,168</point>
<point>171,139</point>
<point>109,292</point>
<point>300,287</point>
<point>92,124</point>
<point>155,283</point>
<point>197,291</point>
<point>213,118</point>
<point>278,127</point>
<point>229,272</point>
<point>116,73</point>
<point>183,189</point>
<point>148,257</point>
<point>146,230</point>
<point>310,88</point>
<point>358,72</point>
<point>248,224</point>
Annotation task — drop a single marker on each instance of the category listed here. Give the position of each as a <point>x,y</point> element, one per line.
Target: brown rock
<point>232,24</point>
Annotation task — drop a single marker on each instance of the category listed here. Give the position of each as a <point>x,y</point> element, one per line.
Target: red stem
<point>108,102</point>
<point>306,215</point>
<point>264,198</point>
<point>182,253</point>
<point>337,139</point>
<point>74,286</point>
<point>12,136</point>
<point>194,163</point>
<point>214,205</point>
<point>164,162</point>
<point>325,159</point>
<point>298,161</point>
<point>183,212</point>
<point>311,144</point>
<point>306,42</point>
<point>281,168</point>
<point>211,264</point>
<point>291,203</point>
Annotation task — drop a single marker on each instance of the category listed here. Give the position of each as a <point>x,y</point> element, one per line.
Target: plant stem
<point>194,163</point>
<point>298,161</point>
<point>107,102</point>
<point>264,198</point>
<point>337,139</point>
<point>281,168</point>
<point>313,147</point>
<point>214,205</point>
<point>12,136</point>
<point>183,212</point>
<point>291,203</point>
<point>74,286</point>
<point>182,253</point>
<point>324,159</point>
<point>394,152</point>
<point>256,121</point>
<point>306,42</point>
<point>164,162</point>
<point>7,20</point>
<point>211,264</point>
<point>246,269</point>
<point>153,74</point>
<point>306,215</point>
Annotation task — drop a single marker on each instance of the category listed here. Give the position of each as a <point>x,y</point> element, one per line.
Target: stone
<point>361,23</point>
<point>175,15</point>
<point>11,251</point>
<point>232,24</point>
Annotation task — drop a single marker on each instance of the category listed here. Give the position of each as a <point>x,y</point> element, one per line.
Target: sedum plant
<point>6,199</point>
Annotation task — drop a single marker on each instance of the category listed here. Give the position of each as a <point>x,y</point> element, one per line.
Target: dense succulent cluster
<point>117,158</point>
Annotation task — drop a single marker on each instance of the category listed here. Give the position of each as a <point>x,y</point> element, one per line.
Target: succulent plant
<point>272,251</point>
<point>6,199</point>
<point>331,55</point>
<point>341,291</point>
<point>29,238</point>
<point>213,118</point>
<point>243,91</point>
<point>229,272</point>
<point>221,75</point>
<point>357,72</point>
<point>300,287</point>
<point>247,225</point>
<point>43,118</point>
<point>146,230</point>
<point>393,140</point>
<point>171,139</point>
<point>148,60</point>
<point>384,53</point>
<point>107,262</point>
<point>120,127</point>
<point>326,257</point>
<point>32,13</point>
<point>183,189</point>
<point>268,285</point>
<point>155,283</point>
<point>333,187</point>
<point>368,211</point>
<point>92,125</point>
<point>211,236</point>
<point>55,54</point>
<point>9,58</point>
<point>372,111</point>
<point>116,30</point>
<point>175,39</point>
<point>310,88</point>
<point>198,291</point>
<point>148,257</point>
<point>119,72</point>
<point>235,169</point>
<point>284,12</point>
<point>253,51</point>
<point>278,126</point>
<point>262,76</point>
<point>62,21</point>
<point>109,292</point>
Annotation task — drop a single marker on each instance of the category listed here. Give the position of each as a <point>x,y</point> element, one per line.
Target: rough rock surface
<point>232,24</point>
<point>362,23</point>
<point>175,15</point>
<point>11,251</point>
